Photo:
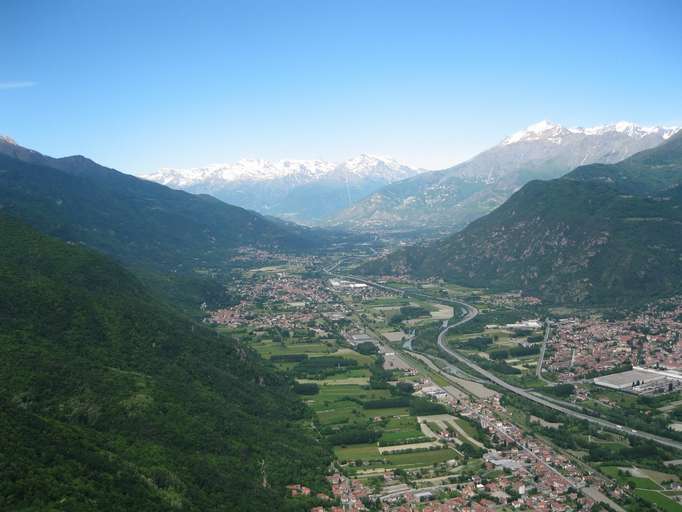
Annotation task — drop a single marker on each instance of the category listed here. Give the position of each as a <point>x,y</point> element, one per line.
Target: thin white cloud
<point>16,85</point>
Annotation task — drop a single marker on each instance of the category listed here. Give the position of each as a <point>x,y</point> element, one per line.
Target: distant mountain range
<point>305,191</point>
<point>135,220</point>
<point>601,234</point>
<point>446,201</point>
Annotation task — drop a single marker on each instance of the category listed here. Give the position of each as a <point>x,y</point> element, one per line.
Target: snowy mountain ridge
<point>448,200</point>
<point>299,190</point>
<point>302,171</point>
<point>552,132</point>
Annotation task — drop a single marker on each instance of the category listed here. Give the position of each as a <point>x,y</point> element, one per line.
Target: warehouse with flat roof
<point>642,381</point>
<point>626,379</point>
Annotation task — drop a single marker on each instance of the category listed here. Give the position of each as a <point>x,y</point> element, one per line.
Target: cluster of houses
<point>292,302</point>
<point>530,474</point>
<point>349,492</point>
<point>512,300</point>
<point>584,347</point>
<point>535,476</point>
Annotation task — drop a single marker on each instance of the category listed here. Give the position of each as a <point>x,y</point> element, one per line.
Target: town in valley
<point>413,429</point>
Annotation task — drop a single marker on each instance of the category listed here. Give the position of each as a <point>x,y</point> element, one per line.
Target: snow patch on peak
<point>542,126</point>
<point>300,171</point>
<point>631,129</point>
<point>243,170</point>
<point>670,132</point>
<point>555,133</point>
<point>541,130</point>
<point>367,164</point>
<point>263,170</point>
<point>7,139</point>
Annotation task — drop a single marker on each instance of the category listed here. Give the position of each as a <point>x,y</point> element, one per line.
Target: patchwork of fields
<point>344,403</point>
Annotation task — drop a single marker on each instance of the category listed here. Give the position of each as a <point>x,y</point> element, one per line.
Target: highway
<point>621,429</point>
<point>541,359</point>
<point>470,312</point>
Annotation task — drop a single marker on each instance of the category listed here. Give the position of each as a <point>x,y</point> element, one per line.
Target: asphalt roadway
<point>470,312</point>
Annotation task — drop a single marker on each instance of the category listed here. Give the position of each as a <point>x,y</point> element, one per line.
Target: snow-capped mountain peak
<point>254,170</point>
<point>8,140</point>
<point>295,189</point>
<point>365,160</point>
<point>555,133</point>
<point>541,130</point>
<point>242,170</point>
<point>375,166</point>
<point>631,129</point>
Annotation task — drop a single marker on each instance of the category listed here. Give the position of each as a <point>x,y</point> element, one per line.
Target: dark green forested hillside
<point>607,233</point>
<point>134,220</point>
<point>173,240</point>
<point>648,172</point>
<point>112,401</point>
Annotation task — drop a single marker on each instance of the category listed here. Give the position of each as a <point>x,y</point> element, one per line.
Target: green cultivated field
<point>401,429</point>
<point>341,412</point>
<point>346,411</point>
<point>358,452</point>
<point>353,372</point>
<point>351,354</point>
<point>417,459</point>
<point>338,392</point>
<point>386,301</point>
<point>645,488</point>
<point>470,429</point>
<point>388,412</point>
<point>335,405</point>
<point>269,348</point>
<point>659,499</point>
<point>370,454</point>
<point>339,405</point>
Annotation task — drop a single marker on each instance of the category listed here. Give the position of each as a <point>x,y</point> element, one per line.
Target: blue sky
<point>138,85</point>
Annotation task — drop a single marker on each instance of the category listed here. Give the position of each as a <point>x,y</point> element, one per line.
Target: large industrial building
<point>641,381</point>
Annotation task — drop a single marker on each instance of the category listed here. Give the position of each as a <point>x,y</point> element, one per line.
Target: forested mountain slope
<point>602,234</point>
<point>645,173</point>
<point>110,400</point>
<point>134,220</point>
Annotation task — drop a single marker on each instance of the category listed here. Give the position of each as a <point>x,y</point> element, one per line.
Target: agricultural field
<point>342,404</point>
<point>421,458</point>
<point>377,427</point>
<point>401,429</point>
<point>459,427</point>
<point>363,452</point>
<point>351,414</point>
<point>389,301</point>
<point>369,457</point>
<point>647,484</point>
<point>269,348</point>
<point>659,499</point>
<point>470,430</point>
